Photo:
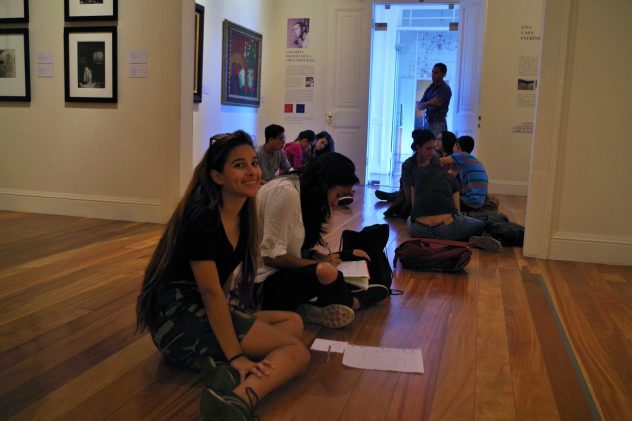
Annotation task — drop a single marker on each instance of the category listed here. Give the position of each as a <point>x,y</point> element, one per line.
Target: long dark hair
<point>201,195</point>
<point>331,147</point>
<point>325,172</point>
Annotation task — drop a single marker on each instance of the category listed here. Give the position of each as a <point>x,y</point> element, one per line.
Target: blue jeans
<point>461,229</point>
<point>436,127</point>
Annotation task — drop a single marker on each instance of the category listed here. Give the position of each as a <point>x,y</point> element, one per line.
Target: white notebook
<point>356,273</point>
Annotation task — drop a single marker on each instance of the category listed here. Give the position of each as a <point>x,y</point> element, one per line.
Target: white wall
<point>506,155</point>
<point>579,195</point>
<point>210,116</point>
<point>318,12</point>
<point>98,160</point>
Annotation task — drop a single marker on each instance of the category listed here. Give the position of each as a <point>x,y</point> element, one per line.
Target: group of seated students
<point>276,157</point>
<point>439,181</point>
<point>238,269</point>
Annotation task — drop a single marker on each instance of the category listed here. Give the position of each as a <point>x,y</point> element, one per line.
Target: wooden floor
<point>494,347</point>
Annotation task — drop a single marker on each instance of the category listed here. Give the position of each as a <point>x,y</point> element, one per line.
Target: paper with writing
<point>387,359</point>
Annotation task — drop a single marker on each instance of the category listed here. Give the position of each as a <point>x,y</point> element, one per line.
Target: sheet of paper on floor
<point>387,359</point>
<point>324,344</point>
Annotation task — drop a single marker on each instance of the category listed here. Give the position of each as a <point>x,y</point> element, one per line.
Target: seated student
<point>435,211</point>
<point>272,159</point>
<point>445,143</point>
<point>471,173</point>
<point>324,143</point>
<point>291,212</point>
<point>298,150</point>
<point>208,244</point>
<point>420,158</point>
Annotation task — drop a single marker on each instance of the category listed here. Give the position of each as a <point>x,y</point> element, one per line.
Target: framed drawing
<point>14,11</point>
<point>90,64</point>
<point>90,10</point>
<point>241,66</point>
<point>199,53</point>
<point>15,81</point>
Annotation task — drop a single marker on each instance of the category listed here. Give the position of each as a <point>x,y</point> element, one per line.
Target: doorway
<point>408,39</point>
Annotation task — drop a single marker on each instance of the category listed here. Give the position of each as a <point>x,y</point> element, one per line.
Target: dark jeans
<point>461,229</point>
<point>289,288</point>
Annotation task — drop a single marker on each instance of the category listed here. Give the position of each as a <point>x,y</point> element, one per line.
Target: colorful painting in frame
<point>241,66</point>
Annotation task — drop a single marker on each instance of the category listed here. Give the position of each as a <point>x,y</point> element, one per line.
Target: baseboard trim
<point>511,188</point>
<point>88,206</point>
<point>581,247</point>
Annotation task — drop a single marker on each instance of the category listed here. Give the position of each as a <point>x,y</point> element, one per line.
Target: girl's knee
<point>301,356</point>
<point>326,273</point>
<point>296,327</point>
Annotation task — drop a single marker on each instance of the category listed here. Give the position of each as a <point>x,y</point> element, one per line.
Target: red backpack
<point>433,254</point>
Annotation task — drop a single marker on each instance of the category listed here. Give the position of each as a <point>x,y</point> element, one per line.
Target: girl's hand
<point>361,253</point>
<point>245,366</point>
<point>332,259</point>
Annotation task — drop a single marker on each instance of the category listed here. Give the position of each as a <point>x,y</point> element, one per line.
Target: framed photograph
<point>15,76</point>
<point>90,10</point>
<point>90,64</point>
<point>14,11</point>
<point>199,53</point>
<point>241,66</point>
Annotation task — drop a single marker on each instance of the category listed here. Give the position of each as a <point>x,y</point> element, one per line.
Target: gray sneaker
<point>331,316</point>
<point>486,243</point>
<point>218,376</point>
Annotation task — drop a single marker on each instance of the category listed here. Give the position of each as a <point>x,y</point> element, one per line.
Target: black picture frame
<point>198,65</point>
<point>18,12</point>
<point>15,73</point>
<point>241,65</point>
<point>83,10</point>
<point>90,64</point>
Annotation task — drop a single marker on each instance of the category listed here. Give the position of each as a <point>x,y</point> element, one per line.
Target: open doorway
<point>408,40</point>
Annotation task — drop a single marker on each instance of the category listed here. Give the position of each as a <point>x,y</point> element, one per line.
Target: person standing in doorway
<point>436,100</point>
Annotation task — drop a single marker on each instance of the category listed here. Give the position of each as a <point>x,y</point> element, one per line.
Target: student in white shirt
<point>291,211</point>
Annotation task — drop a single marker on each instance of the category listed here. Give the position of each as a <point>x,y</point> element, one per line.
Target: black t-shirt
<point>433,192</point>
<point>203,238</point>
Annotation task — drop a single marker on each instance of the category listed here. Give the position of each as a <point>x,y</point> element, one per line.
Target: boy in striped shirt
<point>471,173</point>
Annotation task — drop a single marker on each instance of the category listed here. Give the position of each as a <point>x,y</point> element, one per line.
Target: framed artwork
<point>15,76</point>
<point>199,53</point>
<point>14,11</point>
<point>241,66</point>
<point>90,64</point>
<point>90,10</point>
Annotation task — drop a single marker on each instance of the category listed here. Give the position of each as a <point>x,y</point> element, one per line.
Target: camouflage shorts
<point>184,335</point>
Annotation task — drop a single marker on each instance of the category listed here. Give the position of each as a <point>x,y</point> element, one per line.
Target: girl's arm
<point>207,280</point>
<point>287,261</point>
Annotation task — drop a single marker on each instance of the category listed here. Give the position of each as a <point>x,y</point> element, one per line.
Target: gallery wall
<point>117,161</point>
<point>511,47</point>
<point>579,203</point>
<point>211,116</point>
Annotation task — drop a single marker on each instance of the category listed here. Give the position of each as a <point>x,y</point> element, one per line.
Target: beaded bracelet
<point>235,357</point>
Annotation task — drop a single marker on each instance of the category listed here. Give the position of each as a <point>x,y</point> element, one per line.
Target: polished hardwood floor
<point>509,338</point>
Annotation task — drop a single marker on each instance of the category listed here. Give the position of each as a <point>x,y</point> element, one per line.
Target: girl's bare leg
<point>287,354</point>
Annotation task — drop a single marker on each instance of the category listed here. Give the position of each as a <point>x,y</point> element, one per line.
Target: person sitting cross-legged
<point>472,174</point>
<point>435,210</point>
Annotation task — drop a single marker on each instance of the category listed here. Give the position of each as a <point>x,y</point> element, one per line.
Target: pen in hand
<point>328,353</point>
